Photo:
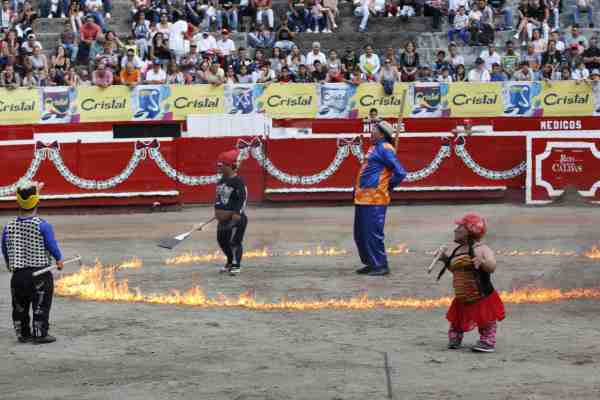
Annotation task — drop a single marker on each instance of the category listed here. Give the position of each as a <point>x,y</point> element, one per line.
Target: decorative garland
<point>342,153</point>
<point>464,155</point>
<point>54,156</point>
<point>155,154</point>
<point>38,156</point>
<point>255,148</point>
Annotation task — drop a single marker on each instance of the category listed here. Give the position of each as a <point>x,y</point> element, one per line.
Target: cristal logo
<point>567,164</point>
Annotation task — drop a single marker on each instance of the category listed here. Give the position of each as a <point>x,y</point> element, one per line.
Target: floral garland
<point>464,155</point>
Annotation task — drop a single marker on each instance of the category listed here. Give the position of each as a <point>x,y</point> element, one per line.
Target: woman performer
<point>476,302</point>
<point>379,174</point>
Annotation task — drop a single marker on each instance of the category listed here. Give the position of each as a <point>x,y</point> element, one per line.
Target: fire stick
<point>53,267</point>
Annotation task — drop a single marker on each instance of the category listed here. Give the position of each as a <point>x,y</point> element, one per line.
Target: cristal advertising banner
<point>314,101</point>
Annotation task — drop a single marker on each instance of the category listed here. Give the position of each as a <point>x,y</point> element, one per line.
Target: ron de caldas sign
<point>558,160</point>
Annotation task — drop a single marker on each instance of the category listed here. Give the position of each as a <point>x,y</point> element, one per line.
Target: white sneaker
<point>50,16</point>
<point>309,31</point>
<point>326,31</point>
<point>107,16</point>
<point>389,15</point>
<point>317,30</point>
<point>516,37</point>
<point>63,15</point>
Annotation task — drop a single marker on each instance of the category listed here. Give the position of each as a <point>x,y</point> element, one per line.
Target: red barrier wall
<point>478,166</point>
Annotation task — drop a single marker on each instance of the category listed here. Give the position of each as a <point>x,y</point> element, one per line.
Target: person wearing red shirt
<point>88,34</point>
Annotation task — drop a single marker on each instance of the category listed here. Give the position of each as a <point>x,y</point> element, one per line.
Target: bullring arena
<point>138,321</point>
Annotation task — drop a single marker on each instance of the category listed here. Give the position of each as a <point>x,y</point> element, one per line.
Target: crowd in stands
<point>189,42</point>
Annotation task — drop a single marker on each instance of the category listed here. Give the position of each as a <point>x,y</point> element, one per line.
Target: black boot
<point>44,339</point>
<point>364,270</point>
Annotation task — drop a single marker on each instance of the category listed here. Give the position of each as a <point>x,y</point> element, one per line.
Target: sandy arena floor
<point>135,351</point>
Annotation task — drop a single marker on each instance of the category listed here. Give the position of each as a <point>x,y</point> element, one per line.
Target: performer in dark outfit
<point>379,174</point>
<point>476,302</point>
<point>230,207</point>
<point>28,245</point>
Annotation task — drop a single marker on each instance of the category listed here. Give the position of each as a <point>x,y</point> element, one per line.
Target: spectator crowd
<point>190,42</point>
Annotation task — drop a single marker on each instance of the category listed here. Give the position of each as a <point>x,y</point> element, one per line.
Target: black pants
<point>230,236</point>
<point>31,292</point>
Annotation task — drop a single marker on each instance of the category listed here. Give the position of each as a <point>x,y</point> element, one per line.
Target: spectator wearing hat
<point>460,26</point>
<point>30,43</point>
<point>575,37</point>
<point>102,76</point>
<point>226,47</point>
<point>524,73</point>
<point>573,56</point>
<point>479,73</point>
<point>156,75</point>
<point>315,55</point>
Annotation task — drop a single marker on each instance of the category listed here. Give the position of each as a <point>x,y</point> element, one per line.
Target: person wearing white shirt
<point>479,73</point>
<point>226,46</point>
<point>156,75</point>
<point>315,55</point>
<point>369,62</point>
<point>264,74</point>
<point>454,57</point>
<point>177,31</point>
<point>132,58</point>
<point>490,56</point>
<point>580,73</point>
<point>205,42</point>
<point>560,45</point>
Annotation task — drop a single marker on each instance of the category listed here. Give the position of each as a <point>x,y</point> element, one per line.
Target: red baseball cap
<point>229,158</point>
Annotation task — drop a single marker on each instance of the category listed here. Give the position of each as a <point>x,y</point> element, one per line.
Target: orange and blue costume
<point>379,174</point>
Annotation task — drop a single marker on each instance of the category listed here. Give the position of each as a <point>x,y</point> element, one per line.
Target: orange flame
<point>134,263</point>
<point>593,253</point>
<point>539,252</point>
<point>190,258</point>
<point>99,283</point>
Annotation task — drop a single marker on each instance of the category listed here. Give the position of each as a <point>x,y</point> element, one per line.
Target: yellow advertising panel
<point>292,100</point>
<point>567,98</point>
<point>371,95</point>
<point>196,99</point>
<point>475,100</point>
<point>110,104</point>
<point>19,106</point>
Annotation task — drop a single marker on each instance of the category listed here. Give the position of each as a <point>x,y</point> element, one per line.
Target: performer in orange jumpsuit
<point>379,174</point>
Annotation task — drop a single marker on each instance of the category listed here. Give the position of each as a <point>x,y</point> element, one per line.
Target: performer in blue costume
<point>379,174</point>
<point>28,245</point>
